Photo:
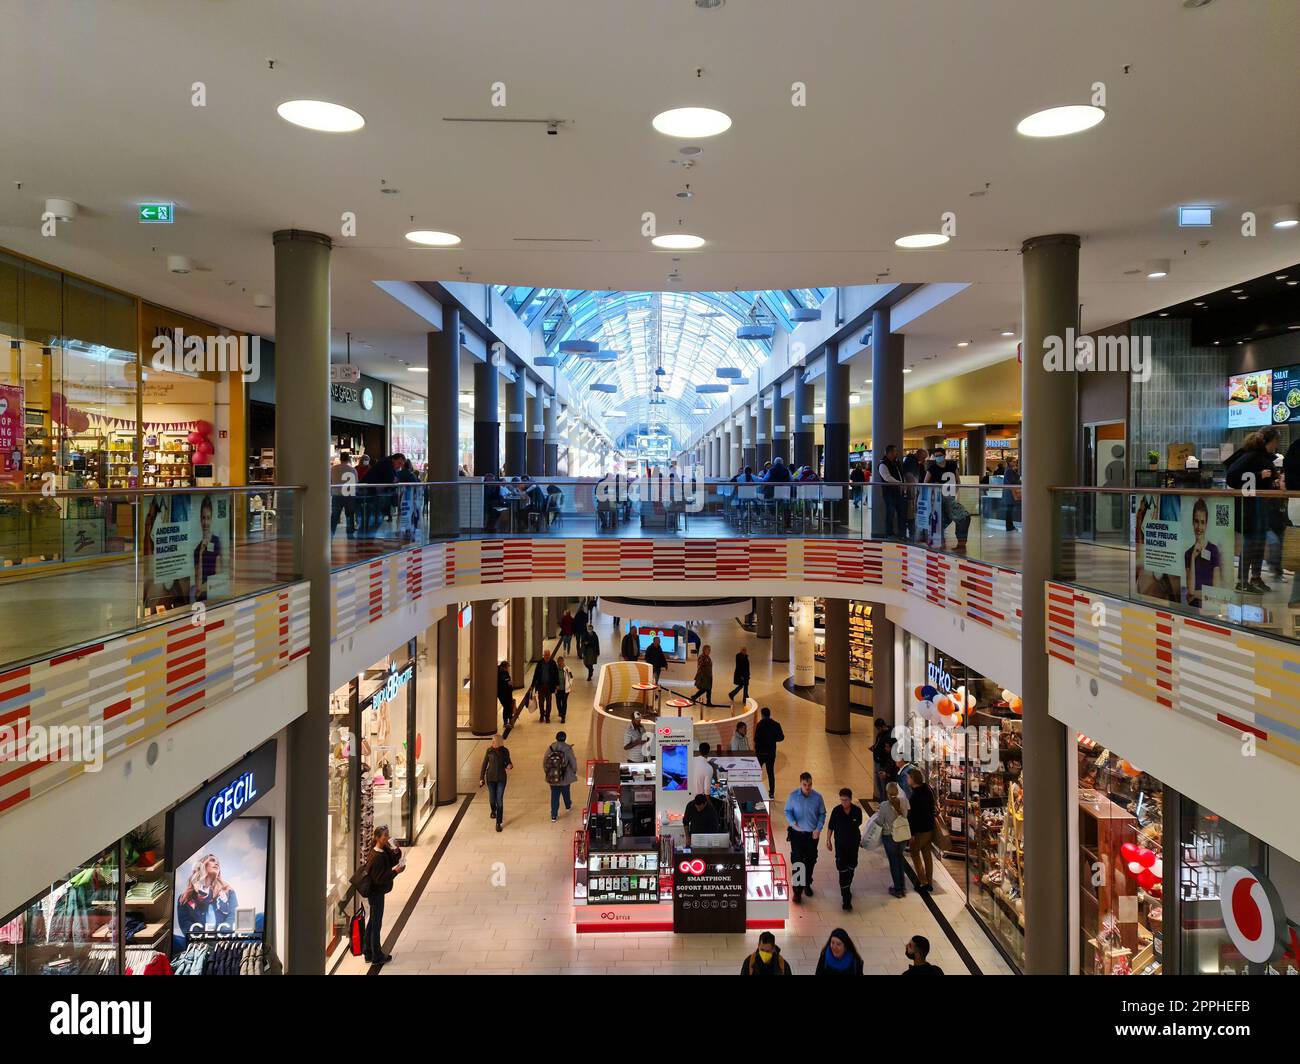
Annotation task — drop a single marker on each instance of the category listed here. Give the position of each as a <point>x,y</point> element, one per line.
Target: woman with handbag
<point>384,866</point>
<point>920,822</point>
<point>895,832</point>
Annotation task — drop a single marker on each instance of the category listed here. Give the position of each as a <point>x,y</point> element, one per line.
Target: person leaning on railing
<point>1251,468</point>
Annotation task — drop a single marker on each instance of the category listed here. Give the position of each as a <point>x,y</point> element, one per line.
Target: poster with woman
<point>185,542</point>
<point>221,890</point>
<point>1207,538</point>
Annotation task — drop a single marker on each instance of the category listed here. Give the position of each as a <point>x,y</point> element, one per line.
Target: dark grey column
<point>763,617</point>
<point>781,429</point>
<point>539,627</point>
<point>886,404</point>
<point>763,441</point>
<point>718,464</point>
<point>302,433</point>
<point>516,464</point>
<point>882,664</point>
<point>730,453</point>
<point>442,351</point>
<point>837,666</point>
<point>804,449</point>
<point>780,608</point>
<point>518,642</point>
<point>551,437</point>
<point>487,421</point>
<point>836,455</point>
<point>975,451</point>
<point>483,716</point>
<point>536,455</point>
<point>1050,299</point>
<point>749,436</point>
<point>448,651</point>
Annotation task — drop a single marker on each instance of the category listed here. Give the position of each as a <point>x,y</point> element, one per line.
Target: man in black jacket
<point>630,649</point>
<point>766,735</point>
<point>655,658</point>
<point>741,676</point>
<point>546,678</point>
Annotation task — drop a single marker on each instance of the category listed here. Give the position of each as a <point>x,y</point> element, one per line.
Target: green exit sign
<point>157,213</point>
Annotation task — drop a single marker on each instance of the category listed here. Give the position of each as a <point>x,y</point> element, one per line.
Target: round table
<point>681,703</point>
<point>645,689</point>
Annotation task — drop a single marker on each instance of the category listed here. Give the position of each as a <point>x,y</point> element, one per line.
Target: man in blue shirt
<point>805,815</point>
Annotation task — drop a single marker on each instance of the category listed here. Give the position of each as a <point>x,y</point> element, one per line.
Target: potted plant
<point>1153,458</point>
<point>143,844</point>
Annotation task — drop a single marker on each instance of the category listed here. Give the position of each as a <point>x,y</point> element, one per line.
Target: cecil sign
<point>201,817</point>
<point>230,800</point>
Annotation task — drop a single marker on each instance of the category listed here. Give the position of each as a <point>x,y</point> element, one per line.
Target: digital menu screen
<point>1250,399</point>
<point>1286,395</point>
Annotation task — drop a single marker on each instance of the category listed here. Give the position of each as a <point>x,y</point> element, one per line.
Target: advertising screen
<point>221,889</point>
<point>1250,399</point>
<point>667,638</point>
<point>673,762</point>
<point>1286,395</point>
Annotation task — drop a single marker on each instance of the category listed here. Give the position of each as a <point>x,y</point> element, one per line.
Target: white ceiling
<point>910,108</point>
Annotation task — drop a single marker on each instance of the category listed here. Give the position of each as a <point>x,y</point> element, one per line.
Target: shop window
<point>70,929</point>
<point>384,693</point>
<point>342,810</point>
<point>409,427</point>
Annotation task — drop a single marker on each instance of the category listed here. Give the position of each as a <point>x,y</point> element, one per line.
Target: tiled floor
<point>502,903</point>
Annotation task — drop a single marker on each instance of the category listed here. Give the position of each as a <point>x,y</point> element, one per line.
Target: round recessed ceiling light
<point>418,369</point>
<point>1157,268</point>
<point>907,369</point>
<point>973,424</point>
<point>1236,291</point>
<point>1060,121</point>
<point>1287,216</point>
<point>921,240</point>
<point>691,122</point>
<point>678,242</point>
<point>963,343</point>
<point>1164,314</point>
<point>432,238</point>
<point>1008,332</point>
<point>1243,297</point>
<point>320,116</point>
<point>1198,303</point>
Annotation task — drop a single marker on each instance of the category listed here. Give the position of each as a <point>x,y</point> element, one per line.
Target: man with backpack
<point>560,765</point>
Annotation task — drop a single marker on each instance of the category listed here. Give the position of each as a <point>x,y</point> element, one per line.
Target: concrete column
<point>781,428</point>
<point>975,451</point>
<point>483,716</point>
<point>886,404</point>
<point>518,643</point>
<point>804,448</point>
<point>442,351</point>
<point>882,663</point>
<point>837,666</point>
<point>780,608</point>
<point>805,666</point>
<point>729,455</point>
<point>749,434</point>
<point>540,631</point>
<point>1048,446</point>
<point>763,441</point>
<point>448,697</point>
<point>516,464</point>
<point>719,464</point>
<point>836,456</point>
<point>551,435</point>
<point>763,617</point>
<point>536,446</point>
<point>487,421</point>
<point>302,433</point>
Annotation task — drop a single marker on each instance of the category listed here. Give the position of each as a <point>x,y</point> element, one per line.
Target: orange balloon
<point>917,692</point>
<point>1017,706</point>
<point>1129,769</point>
<point>945,706</point>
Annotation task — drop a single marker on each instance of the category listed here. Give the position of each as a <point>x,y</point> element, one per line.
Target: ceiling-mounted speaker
<point>63,210</point>
<point>261,300</point>
<point>755,332</point>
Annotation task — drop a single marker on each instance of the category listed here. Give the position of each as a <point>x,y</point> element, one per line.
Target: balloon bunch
<point>69,416</point>
<point>1144,865</point>
<point>943,709</point>
<point>201,440</point>
<point>1014,702</point>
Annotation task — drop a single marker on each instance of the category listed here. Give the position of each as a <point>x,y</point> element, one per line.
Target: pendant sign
<point>157,213</point>
<point>196,820</point>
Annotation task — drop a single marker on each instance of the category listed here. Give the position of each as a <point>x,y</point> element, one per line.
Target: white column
<point>805,673</point>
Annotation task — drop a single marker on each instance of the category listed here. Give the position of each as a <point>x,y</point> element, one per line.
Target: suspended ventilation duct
<point>728,372</point>
<point>602,386</point>
<point>578,347</point>
<point>755,332</point>
<point>546,360</point>
<point>806,314</point>
<point>712,388</point>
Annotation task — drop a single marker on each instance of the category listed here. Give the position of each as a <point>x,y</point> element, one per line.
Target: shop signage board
<point>157,213</point>
<point>396,682</point>
<point>195,821</point>
<point>345,373</point>
<point>709,893</point>
<point>12,435</point>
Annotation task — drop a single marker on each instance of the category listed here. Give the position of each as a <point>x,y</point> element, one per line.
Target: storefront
<point>191,891</point>
<point>963,731</point>
<point>408,426</point>
<point>861,672</point>
<point>382,766</point>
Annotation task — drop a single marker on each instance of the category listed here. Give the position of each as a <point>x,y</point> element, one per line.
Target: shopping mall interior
<point>939,616</point>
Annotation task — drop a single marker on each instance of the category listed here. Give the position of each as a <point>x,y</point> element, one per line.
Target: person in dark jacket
<point>767,733</point>
<point>630,648</point>
<point>655,658</point>
<point>591,650</point>
<point>580,621</point>
<point>1011,480</point>
<point>496,764</point>
<point>1291,480</point>
<point>882,757</point>
<point>741,676</point>
<point>704,675</point>
<point>1251,469</point>
<point>839,956</point>
<point>843,836</point>
<point>917,950</point>
<point>505,694</point>
<point>560,749</point>
<point>546,678</point>
<point>920,818</point>
<point>767,959</point>
<point>385,866</point>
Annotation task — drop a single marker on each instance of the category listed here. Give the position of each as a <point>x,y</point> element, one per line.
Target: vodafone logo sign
<point>692,868</point>
<point>1253,915</point>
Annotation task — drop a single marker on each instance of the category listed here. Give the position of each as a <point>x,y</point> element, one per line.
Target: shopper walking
<point>881,758</point>
<point>566,631</point>
<point>894,834</point>
<point>630,648</point>
<point>917,950</point>
<point>385,865</point>
<point>496,766</point>
<point>546,679</point>
<point>767,733</point>
<point>890,471</point>
<point>844,836</point>
<point>741,676</point>
<point>805,815</point>
<point>566,686</point>
<point>505,695</point>
<point>560,767</point>
<point>1010,492</point>
<point>580,622</point>
<point>839,956</point>
<point>591,651</point>
<point>1249,470</point>
<point>767,959</point>
<point>920,820</point>
<point>704,675</point>
<point>655,658</point>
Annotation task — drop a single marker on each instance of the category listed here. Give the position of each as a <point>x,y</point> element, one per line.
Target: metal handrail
<point>1234,493</point>
<point>70,493</point>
